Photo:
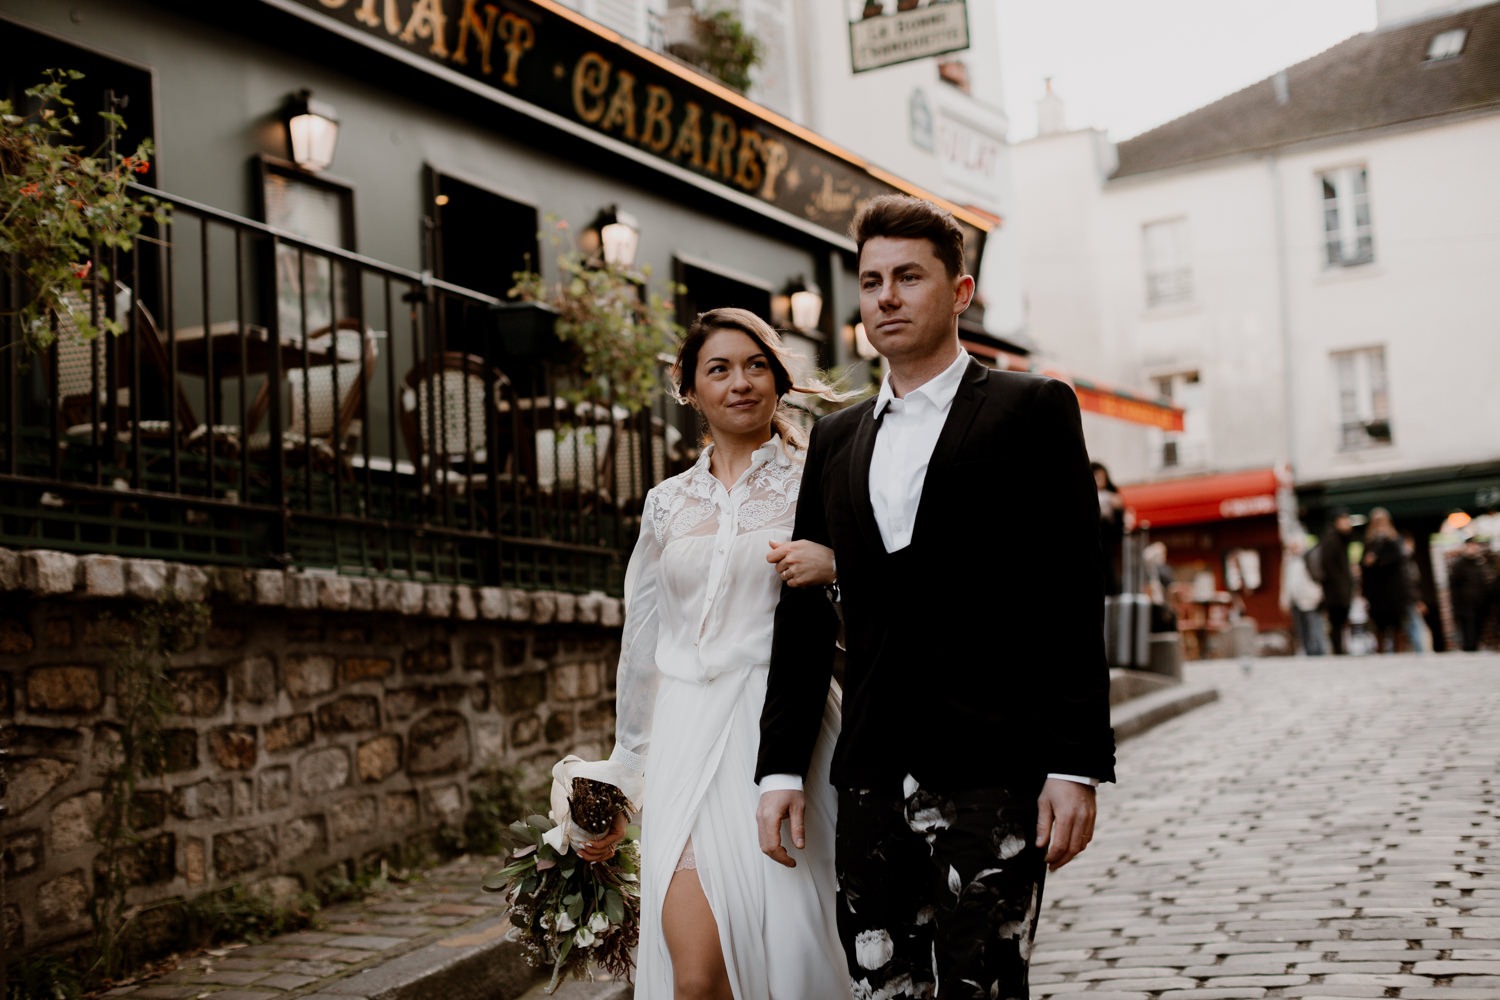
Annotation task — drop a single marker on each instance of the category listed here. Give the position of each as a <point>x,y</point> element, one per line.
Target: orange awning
<point>1122,404</point>
<point>1202,498</point>
<point>1094,396</point>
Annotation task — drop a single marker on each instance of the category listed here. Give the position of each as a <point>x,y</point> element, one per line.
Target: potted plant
<point>719,45</point>
<point>61,209</point>
<point>616,330</point>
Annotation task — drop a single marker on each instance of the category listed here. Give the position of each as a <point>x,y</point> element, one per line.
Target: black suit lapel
<point>860,454</point>
<point>966,404</point>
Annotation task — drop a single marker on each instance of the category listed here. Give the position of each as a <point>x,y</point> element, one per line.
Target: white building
<point>1307,266</point>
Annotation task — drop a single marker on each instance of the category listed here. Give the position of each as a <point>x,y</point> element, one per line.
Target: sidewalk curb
<point>478,963</point>
<point>1133,717</point>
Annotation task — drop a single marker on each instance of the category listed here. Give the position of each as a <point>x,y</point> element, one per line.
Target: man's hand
<point>1064,820</point>
<point>775,807</point>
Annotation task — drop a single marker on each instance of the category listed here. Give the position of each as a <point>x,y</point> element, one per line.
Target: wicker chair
<point>322,401</point>
<point>448,407</point>
<point>85,395</point>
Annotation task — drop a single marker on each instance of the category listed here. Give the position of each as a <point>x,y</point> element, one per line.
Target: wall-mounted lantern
<point>613,235</point>
<point>800,304</point>
<point>855,331</point>
<point>312,130</point>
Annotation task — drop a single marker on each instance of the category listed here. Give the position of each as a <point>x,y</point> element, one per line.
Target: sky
<point>1126,66</point>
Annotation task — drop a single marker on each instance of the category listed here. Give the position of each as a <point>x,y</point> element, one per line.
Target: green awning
<point>1424,493</point>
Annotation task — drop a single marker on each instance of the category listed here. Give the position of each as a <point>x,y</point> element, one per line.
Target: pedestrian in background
<point>1382,580</point>
<point>1333,572</point>
<point>1469,580</point>
<point>1417,635</point>
<point>1302,597</point>
<point>1111,528</point>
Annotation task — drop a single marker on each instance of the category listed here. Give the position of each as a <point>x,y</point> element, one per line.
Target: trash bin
<point>1242,635</point>
<point>1127,630</point>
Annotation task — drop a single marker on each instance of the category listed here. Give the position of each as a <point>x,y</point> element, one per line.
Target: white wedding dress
<point>699,604</point>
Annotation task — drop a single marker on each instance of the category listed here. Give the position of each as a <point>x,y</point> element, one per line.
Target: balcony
<point>278,403</point>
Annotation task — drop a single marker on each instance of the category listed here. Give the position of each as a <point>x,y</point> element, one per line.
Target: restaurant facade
<point>327,425</point>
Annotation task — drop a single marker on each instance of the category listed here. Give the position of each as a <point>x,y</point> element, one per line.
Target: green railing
<point>274,402</point>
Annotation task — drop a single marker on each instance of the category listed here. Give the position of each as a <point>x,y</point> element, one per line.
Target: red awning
<point>1202,498</point>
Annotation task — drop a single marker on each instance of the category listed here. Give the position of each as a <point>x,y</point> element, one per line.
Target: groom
<point>964,518</point>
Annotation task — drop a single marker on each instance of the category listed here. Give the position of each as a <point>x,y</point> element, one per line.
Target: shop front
<point>1223,540</point>
<point>334,320</point>
<point>1428,503</point>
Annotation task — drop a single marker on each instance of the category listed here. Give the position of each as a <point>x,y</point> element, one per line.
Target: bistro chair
<point>322,399</point>
<point>566,449</point>
<point>448,410</point>
<point>81,369</point>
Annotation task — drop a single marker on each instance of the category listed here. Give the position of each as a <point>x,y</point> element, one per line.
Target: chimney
<point>1051,116</point>
<point>1279,84</point>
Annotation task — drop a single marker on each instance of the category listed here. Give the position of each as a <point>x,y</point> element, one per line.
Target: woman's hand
<point>802,563</point>
<point>603,848</point>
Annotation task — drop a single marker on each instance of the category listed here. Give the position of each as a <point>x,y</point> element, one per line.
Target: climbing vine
<point>137,752</point>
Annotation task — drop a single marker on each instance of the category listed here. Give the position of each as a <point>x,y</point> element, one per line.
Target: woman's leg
<point>692,936</point>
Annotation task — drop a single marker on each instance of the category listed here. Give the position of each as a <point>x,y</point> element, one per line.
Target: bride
<point>719,919</point>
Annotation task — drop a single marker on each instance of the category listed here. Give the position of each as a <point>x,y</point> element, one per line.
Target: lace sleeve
<point>637,679</point>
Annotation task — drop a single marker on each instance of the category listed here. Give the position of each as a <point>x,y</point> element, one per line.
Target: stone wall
<point>320,720</point>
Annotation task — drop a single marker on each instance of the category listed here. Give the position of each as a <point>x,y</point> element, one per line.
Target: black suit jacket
<point>975,655</point>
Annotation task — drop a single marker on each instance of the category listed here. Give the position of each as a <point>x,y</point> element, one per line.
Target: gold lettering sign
<point>560,66</point>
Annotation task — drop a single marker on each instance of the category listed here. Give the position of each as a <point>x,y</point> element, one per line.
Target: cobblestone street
<point>1327,828</point>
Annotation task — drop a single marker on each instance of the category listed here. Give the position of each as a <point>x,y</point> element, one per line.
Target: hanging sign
<point>924,30</point>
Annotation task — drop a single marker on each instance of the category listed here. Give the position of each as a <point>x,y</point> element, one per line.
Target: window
<point>1347,237</point>
<point>1364,399</point>
<point>1187,448</point>
<point>1447,44</point>
<point>1169,273</point>
<point>312,289</point>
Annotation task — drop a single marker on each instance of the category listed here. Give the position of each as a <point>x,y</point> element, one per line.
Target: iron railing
<point>278,402</point>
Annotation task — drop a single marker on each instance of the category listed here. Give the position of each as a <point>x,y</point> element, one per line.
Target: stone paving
<point>1326,828</point>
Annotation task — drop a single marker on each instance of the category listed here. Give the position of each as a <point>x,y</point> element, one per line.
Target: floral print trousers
<point>938,891</point>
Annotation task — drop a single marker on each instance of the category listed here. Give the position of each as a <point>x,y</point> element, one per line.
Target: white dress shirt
<point>909,430</point>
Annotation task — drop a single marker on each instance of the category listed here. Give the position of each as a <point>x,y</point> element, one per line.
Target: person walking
<point>718,919</point>
<point>1382,580</point>
<point>1334,574</point>
<point>1301,596</point>
<point>1418,637</point>
<point>1111,529</point>
<point>1469,581</point>
<point>964,518</point>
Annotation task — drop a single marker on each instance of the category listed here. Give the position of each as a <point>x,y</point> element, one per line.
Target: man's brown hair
<point>900,216</point>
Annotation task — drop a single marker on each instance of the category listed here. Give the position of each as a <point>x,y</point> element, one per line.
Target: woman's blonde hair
<point>684,370</point>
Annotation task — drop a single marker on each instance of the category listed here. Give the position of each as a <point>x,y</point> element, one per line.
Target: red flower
<point>32,190</point>
<point>142,167</point>
<point>81,271</point>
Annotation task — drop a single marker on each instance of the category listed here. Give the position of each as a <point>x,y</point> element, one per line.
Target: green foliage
<point>61,210</point>
<point>568,913</point>
<point>620,330</point>
<point>728,50</point>
<point>238,913</point>
<point>143,699</point>
<point>43,977</point>
<point>494,797</point>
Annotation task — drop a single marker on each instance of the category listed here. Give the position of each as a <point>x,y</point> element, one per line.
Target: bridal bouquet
<point>570,914</point>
